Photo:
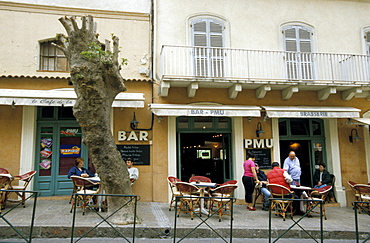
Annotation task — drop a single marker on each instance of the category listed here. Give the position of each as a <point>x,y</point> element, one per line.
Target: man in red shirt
<point>279,176</point>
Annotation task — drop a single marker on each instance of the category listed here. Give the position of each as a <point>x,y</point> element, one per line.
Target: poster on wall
<point>263,157</point>
<point>138,153</point>
<point>70,150</point>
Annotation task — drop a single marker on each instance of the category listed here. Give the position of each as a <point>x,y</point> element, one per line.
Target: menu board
<point>140,154</point>
<point>263,157</point>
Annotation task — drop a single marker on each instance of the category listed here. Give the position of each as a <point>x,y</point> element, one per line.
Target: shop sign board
<point>263,157</point>
<point>140,154</point>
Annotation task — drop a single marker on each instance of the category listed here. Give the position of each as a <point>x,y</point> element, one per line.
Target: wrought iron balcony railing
<point>224,64</point>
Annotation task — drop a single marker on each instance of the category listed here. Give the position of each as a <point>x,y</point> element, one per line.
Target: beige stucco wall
<point>23,26</point>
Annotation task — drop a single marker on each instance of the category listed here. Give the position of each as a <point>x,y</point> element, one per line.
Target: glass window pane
<point>223,122</point>
<point>316,128</point>
<point>183,122</point>
<point>203,122</point>
<point>299,127</point>
<point>47,112</point>
<point>283,128</point>
<point>65,113</point>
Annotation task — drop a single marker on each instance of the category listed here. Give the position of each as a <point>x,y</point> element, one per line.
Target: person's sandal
<point>251,208</point>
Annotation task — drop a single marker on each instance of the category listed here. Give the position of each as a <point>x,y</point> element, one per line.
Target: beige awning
<point>59,97</point>
<point>361,121</point>
<point>311,112</point>
<point>205,110</point>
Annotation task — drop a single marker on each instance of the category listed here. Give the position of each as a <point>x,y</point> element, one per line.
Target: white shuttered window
<point>298,44</point>
<point>208,41</point>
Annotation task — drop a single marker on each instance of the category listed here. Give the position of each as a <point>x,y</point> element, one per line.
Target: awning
<point>311,112</point>
<point>361,121</point>
<point>59,97</point>
<point>205,110</point>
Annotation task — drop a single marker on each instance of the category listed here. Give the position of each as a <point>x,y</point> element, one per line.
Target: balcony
<point>237,69</point>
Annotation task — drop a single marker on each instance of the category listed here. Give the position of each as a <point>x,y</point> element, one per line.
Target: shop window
<point>183,122</point>
<point>52,58</point>
<point>55,113</point>
<point>189,123</point>
<point>283,130</point>
<point>316,128</point>
<point>223,122</point>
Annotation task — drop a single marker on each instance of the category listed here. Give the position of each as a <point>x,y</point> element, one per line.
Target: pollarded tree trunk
<point>96,79</point>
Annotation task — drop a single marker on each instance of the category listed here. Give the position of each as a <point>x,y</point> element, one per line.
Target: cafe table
<point>202,187</point>
<point>304,191</point>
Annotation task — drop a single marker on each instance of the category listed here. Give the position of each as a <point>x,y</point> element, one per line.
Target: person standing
<point>266,193</point>
<point>293,167</point>
<point>133,171</point>
<point>248,179</point>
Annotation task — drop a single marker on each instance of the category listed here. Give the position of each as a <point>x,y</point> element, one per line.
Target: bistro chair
<point>5,181</point>
<point>281,207</point>
<point>174,192</point>
<point>4,171</point>
<point>318,194</point>
<point>257,193</point>
<point>364,194</point>
<point>352,186</point>
<point>20,189</point>
<point>83,194</point>
<point>231,182</point>
<point>188,200</point>
<point>221,198</point>
<point>199,179</point>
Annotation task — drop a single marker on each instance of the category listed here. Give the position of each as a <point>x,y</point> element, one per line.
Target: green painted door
<point>58,145</point>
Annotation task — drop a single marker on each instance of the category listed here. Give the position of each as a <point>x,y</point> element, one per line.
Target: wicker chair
<point>188,200</point>
<point>281,207</point>
<point>221,198</point>
<point>20,189</point>
<point>172,184</point>
<point>5,181</point>
<point>85,193</point>
<point>318,194</point>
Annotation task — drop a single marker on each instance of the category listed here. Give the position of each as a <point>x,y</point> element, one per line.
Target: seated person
<point>79,170</point>
<point>266,193</point>
<point>321,177</point>
<point>133,171</point>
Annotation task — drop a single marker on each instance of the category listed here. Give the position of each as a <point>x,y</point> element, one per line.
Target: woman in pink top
<point>249,178</point>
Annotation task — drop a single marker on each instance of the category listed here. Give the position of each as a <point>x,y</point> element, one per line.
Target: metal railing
<point>6,211</point>
<point>204,63</point>
<point>364,207</point>
<point>225,202</point>
<point>131,199</point>
<point>315,203</point>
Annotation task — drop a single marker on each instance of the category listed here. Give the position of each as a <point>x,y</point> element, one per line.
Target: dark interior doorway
<point>205,154</point>
<point>302,149</point>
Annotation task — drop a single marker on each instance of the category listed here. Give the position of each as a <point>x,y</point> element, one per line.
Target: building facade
<point>207,82</point>
<point>266,76</point>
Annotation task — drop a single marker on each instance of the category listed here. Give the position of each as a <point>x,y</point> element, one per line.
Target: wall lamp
<point>134,123</point>
<point>259,129</point>
<point>356,137</point>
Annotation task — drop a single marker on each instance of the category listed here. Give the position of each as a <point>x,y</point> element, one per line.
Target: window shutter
<point>200,33</point>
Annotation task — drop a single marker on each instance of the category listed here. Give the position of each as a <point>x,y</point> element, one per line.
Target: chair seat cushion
<point>87,192</point>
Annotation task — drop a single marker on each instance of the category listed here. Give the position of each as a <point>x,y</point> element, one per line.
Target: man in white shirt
<point>293,166</point>
<point>133,171</point>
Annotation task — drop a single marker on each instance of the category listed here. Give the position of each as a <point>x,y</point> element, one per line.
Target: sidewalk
<point>53,220</point>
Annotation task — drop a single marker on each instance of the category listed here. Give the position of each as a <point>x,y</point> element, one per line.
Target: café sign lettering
<point>207,112</point>
<point>258,143</point>
<point>52,102</point>
<point>314,113</point>
<point>133,136</point>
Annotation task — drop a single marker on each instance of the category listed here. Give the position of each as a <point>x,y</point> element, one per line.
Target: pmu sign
<point>258,143</point>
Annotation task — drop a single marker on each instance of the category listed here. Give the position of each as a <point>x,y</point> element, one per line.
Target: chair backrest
<point>27,177</point>
<point>332,183</point>
<point>199,179</point>
<point>82,182</point>
<point>186,188</point>
<point>363,189</point>
<point>324,190</point>
<point>225,190</point>
<point>173,180</point>
<point>279,190</point>
<point>4,181</point>
<point>4,171</point>
<point>231,182</point>
<point>351,183</point>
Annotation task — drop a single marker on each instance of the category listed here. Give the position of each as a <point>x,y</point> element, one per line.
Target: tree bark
<point>96,83</point>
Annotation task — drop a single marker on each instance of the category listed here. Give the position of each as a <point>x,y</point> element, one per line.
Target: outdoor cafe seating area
<point>200,195</point>
<point>17,183</point>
